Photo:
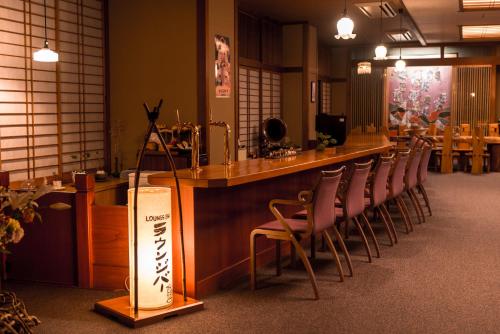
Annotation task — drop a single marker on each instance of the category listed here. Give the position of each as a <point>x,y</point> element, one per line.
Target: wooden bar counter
<point>222,204</point>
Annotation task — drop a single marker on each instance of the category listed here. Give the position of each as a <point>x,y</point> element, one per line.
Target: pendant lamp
<point>45,54</point>
<point>400,64</point>
<point>381,50</point>
<point>345,26</point>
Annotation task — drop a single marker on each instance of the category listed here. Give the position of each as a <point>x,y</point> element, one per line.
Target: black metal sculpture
<point>153,117</point>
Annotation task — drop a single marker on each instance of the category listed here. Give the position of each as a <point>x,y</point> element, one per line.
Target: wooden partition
<point>473,96</point>
<point>367,99</point>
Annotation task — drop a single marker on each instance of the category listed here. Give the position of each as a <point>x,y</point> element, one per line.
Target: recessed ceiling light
<point>400,36</point>
<point>481,32</point>
<point>480,4</point>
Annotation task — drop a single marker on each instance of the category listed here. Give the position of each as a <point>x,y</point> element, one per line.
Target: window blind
<point>259,99</point>
<point>51,114</point>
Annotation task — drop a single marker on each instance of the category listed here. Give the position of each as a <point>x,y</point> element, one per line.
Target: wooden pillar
<point>85,196</point>
<point>477,151</point>
<point>446,157</point>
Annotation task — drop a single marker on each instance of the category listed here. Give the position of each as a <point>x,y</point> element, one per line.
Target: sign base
<point>120,310</point>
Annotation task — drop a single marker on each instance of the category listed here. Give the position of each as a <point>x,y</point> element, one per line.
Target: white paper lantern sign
<point>154,250</point>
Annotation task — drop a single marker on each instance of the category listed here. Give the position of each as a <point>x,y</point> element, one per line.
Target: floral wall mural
<point>419,96</point>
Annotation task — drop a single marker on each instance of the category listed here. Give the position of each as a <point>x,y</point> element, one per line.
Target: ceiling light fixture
<point>364,67</point>
<point>45,54</point>
<point>400,64</point>
<point>345,26</point>
<point>381,50</point>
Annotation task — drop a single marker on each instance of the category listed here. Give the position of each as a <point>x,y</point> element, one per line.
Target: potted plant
<point>324,141</point>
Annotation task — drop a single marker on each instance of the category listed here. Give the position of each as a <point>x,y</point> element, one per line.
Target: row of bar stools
<point>362,190</point>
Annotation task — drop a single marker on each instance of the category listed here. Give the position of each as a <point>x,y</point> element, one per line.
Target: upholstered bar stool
<point>320,211</point>
<point>411,181</point>
<point>352,205</point>
<point>396,187</point>
<point>377,195</point>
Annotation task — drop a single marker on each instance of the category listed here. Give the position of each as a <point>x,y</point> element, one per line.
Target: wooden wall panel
<point>472,90</point>
<point>366,99</point>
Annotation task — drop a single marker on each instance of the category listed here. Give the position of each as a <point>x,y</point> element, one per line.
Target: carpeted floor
<point>443,278</point>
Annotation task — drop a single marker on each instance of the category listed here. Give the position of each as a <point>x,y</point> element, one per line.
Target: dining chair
<point>351,205</point>
<point>396,187</point>
<point>411,181</point>
<point>320,211</point>
<point>377,195</point>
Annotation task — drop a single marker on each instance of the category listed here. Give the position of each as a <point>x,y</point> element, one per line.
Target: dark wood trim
<point>296,69</point>
<point>305,85</point>
<point>416,30</point>
<point>107,91</point>
<point>84,200</point>
<point>236,67</point>
<point>201,73</point>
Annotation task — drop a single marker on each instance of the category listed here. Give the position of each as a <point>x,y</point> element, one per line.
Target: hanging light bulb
<point>345,26</point>
<point>380,50</point>
<point>45,54</point>
<point>400,64</point>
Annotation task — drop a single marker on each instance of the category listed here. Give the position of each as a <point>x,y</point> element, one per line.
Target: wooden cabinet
<point>47,253</point>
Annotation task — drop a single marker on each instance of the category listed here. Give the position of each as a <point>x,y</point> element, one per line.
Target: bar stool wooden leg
<point>337,235</point>
<point>336,258</point>
<point>426,198</point>
<point>407,212</point>
<point>253,271</point>
<point>385,212</point>
<point>414,205</point>
<point>307,265</point>
<point>278,257</point>
<point>417,202</point>
<point>386,225</point>
<point>403,215</point>
<point>372,234</point>
<point>313,247</point>
<point>293,256</point>
<point>363,238</point>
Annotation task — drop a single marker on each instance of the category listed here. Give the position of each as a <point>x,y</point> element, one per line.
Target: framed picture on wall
<point>222,67</point>
<point>313,91</point>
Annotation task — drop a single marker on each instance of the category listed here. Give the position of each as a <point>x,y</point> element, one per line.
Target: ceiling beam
<point>413,26</point>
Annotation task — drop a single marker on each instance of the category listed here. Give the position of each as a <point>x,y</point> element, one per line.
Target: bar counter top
<point>241,172</point>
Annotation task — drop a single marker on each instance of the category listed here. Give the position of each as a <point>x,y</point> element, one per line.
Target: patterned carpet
<point>442,278</point>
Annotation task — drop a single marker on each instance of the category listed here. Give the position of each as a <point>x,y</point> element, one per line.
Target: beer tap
<point>227,136</point>
<point>195,141</point>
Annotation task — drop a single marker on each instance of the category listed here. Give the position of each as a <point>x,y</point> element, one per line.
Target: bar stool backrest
<point>413,141</point>
<point>324,199</point>
<point>355,196</point>
<point>411,177</point>
<point>424,163</point>
<point>378,189</point>
<point>396,180</point>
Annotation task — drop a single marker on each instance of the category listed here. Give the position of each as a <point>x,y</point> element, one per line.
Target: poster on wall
<point>222,67</point>
<point>419,96</point>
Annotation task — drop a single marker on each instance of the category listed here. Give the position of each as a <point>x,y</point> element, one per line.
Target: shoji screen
<point>271,95</point>
<point>326,97</point>
<point>249,108</point>
<point>51,114</point>
<point>471,96</point>
<point>366,99</point>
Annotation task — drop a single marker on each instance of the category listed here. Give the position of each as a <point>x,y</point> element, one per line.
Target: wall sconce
<point>152,297</point>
